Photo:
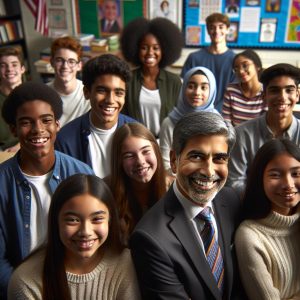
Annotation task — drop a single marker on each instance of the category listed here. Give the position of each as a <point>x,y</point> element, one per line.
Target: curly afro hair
<point>30,91</point>
<point>167,33</point>
<point>102,65</point>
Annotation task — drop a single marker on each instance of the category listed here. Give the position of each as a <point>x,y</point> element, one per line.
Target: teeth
<point>150,59</point>
<point>86,244</point>
<point>109,109</point>
<point>142,171</point>
<point>282,106</point>
<point>39,140</point>
<point>204,183</point>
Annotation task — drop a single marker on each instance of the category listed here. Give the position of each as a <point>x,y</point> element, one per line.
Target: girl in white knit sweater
<point>268,241</point>
<point>83,258</point>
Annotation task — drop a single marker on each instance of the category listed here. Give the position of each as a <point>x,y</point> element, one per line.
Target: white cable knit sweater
<point>113,279</point>
<point>268,252</point>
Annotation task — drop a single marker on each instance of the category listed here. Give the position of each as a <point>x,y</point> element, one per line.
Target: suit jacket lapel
<point>224,225</point>
<point>184,232</point>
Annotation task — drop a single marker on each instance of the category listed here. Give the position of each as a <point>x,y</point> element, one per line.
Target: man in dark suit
<point>109,23</point>
<point>178,254</point>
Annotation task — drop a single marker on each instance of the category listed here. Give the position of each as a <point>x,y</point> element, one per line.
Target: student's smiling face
<point>83,229</point>
<point>281,95</point>
<point>217,32</point>
<point>281,181</point>
<point>150,52</point>
<point>63,70</point>
<point>138,159</point>
<point>107,98</point>
<point>11,70</point>
<point>197,90</point>
<point>36,129</point>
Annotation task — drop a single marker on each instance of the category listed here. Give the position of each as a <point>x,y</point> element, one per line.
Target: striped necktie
<point>212,248</point>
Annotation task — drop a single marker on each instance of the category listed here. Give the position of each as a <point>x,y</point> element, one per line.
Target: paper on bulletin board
<point>250,17</point>
<point>208,7</point>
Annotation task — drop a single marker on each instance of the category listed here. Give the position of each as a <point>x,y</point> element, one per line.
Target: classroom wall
<point>36,42</point>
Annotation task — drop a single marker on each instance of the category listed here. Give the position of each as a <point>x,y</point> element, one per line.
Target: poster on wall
<point>110,17</point>
<point>232,8</point>
<point>273,5</point>
<point>233,32</point>
<point>193,35</point>
<point>293,22</point>
<point>268,30</point>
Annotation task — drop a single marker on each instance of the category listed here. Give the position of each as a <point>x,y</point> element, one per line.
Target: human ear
<point>173,161</point>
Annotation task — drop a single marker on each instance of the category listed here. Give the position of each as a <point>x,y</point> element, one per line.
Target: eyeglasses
<point>244,67</point>
<point>59,61</point>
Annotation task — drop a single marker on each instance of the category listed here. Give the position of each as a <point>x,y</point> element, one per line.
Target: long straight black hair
<point>55,285</point>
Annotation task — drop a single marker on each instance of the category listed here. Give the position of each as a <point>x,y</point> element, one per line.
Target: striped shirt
<point>237,108</point>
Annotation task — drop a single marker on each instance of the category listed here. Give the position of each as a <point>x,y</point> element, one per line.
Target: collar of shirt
<point>287,134</point>
<point>190,208</point>
<point>191,211</point>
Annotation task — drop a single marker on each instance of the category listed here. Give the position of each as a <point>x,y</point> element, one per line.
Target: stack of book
<point>43,66</point>
<point>113,42</point>
<point>99,45</point>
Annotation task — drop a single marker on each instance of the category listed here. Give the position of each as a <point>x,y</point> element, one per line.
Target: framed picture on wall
<point>233,31</point>
<point>170,9</point>
<point>57,18</point>
<point>110,17</point>
<point>273,5</point>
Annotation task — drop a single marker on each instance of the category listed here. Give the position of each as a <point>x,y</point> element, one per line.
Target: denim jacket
<point>15,204</point>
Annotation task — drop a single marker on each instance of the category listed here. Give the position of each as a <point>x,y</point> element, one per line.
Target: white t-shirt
<point>100,149</point>
<point>74,104</point>
<point>150,109</point>
<point>40,203</point>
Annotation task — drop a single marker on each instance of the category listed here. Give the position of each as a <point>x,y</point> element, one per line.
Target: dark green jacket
<point>169,85</point>
<point>7,139</point>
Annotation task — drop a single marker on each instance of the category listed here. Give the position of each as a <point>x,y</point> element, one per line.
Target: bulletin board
<point>273,24</point>
<point>88,14</point>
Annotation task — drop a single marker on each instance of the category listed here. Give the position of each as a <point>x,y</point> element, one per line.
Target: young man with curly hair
<point>29,178</point>
<point>88,137</point>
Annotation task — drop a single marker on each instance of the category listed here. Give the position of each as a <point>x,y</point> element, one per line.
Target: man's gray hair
<point>201,123</point>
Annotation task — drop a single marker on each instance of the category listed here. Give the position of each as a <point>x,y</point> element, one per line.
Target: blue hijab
<point>183,107</point>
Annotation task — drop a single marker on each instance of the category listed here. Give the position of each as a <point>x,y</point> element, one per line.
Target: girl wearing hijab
<point>198,93</point>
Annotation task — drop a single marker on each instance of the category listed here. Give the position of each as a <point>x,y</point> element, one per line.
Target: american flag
<point>39,11</point>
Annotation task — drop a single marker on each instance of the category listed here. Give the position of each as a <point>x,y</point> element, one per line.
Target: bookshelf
<point>11,27</point>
